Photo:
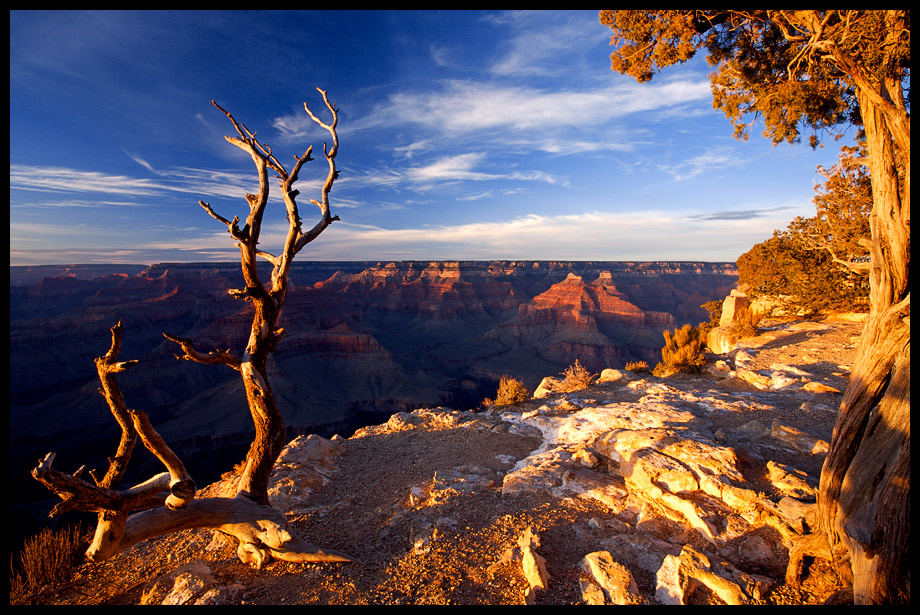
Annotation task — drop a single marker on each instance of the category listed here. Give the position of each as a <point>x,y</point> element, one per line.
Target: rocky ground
<point>638,489</point>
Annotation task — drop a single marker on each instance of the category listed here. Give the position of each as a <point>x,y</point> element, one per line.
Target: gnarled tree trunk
<point>864,499</point>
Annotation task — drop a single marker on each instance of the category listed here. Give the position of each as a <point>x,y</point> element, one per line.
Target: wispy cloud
<point>534,48</point>
<point>141,161</point>
<point>648,235</point>
<point>739,214</point>
<point>462,106</point>
<point>450,168</point>
<point>197,183</point>
<point>711,159</point>
<point>57,179</point>
<point>464,167</point>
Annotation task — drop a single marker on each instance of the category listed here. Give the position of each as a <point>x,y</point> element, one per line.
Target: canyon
<point>363,340</point>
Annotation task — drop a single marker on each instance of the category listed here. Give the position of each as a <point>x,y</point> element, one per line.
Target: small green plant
<point>637,366</point>
<point>47,560</point>
<point>510,391</point>
<point>576,377</point>
<point>682,351</point>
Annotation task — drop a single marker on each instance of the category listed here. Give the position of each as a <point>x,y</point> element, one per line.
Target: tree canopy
<point>819,263</point>
<point>796,70</point>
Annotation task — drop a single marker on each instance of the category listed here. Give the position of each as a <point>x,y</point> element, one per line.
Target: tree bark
<point>864,500</point>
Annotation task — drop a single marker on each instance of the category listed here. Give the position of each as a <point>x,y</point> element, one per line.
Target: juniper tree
<point>819,73</point>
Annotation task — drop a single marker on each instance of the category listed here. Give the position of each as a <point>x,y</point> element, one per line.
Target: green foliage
<point>820,263</point>
<point>576,377</point>
<point>682,351</point>
<point>843,204</point>
<point>767,63</point>
<point>47,560</point>
<point>802,280</point>
<point>510,391</point>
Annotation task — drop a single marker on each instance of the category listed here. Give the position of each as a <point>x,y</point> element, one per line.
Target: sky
<point>464,135</point>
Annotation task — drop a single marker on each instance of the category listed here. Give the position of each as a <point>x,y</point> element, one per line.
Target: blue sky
<point>464,135</point>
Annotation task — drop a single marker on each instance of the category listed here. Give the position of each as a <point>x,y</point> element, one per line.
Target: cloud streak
<point>468,107</point>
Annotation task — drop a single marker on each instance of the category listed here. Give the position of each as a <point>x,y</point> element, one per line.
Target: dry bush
<point>637,366</point>
<point>576,377</point>
<point>682,351</point>
<point>744,325</point>
<point>47,560</point>
<point>510,391</point>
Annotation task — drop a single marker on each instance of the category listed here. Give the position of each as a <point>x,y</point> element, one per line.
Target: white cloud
<point>450,168</point>
<point>501,112</point>
<point>197,183</point>
<point>538,45</point>
<point>463,168</point>
<point>709,160</point>
<point>642,236</point>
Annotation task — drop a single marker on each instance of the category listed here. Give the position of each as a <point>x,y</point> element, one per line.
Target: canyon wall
<point>363,340</point>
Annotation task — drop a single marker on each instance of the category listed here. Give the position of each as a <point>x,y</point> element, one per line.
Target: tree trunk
<point>864,500</point>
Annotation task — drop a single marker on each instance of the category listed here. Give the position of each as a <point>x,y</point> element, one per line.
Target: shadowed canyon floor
<point>694,486</point>
<point>363,340</point>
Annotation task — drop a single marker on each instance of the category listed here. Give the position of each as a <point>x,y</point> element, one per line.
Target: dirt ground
<point>419,542</point>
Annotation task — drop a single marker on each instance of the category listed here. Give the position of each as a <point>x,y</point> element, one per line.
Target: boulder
<point>732,308</point>
<point>616,583</point>
<point>720,340</point>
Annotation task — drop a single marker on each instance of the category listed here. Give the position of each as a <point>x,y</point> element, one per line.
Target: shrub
<point>47,560</point>
<point>510,391</point>
<point>576,377</point>
<point>744,325</point>
<point>682,351</point>
<point>819,264</point>
<point>715,315</point>
<point>637,366</point>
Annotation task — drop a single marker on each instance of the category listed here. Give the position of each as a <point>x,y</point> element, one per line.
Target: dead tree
<point>167,502</point>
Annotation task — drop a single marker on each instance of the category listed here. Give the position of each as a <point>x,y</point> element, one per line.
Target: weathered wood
<point>263,529</point>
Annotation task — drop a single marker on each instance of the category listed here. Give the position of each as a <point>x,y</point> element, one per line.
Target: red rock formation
<point>360,336</point>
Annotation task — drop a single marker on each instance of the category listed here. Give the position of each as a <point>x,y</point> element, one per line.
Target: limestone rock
<point>817,387</point>
<point>303,465</point>
<point>613,578</point>
<point>754,550</point>
<point>547,387</point>
<point>533,565</point>
<point>189,584</point>
<point>678,574</point>
<point>732,307</point>
<point>611,375</point>
<point>751,377</point>
<point>789,480</point>
<point>720,340</point>
<point>798,439</point>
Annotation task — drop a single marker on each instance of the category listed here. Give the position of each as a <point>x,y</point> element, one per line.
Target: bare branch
<point>232,226</point>
<point>106,368</point>
<point>181,485</point>
<point>223,357</point>
<point>77,494</point>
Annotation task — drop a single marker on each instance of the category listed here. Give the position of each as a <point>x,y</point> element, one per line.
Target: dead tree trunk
<point>166,503</point>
